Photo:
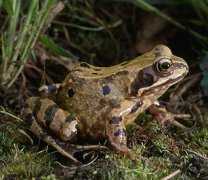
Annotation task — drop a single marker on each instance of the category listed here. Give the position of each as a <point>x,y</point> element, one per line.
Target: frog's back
<point>92,98</point>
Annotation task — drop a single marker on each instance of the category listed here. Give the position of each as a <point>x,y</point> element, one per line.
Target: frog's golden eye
<point>163,65</point>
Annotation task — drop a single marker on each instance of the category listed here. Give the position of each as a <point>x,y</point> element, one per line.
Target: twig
<point>3,111</point>
<point>54,12</point>
<point>173,174</point>
<point>197,154</point>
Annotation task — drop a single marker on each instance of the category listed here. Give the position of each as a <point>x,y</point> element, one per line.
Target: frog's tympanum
<point>98,102</point>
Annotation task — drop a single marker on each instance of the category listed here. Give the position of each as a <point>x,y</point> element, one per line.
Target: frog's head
<point>161,70</point>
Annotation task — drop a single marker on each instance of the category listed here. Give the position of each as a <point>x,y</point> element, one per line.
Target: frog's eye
<point>163,65</point>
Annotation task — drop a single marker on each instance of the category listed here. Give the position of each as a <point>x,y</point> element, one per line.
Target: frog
<point>99,102</point>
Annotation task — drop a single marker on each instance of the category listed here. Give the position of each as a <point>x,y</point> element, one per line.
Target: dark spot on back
<point>106,90</point>
<point>95,73</point>
<point>71,92</point>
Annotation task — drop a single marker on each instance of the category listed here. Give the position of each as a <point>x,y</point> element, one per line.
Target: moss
<point>18,161</point>
<point>26,164</point>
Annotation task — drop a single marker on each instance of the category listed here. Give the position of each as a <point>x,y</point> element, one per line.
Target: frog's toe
<point>177,124</point>
<point>172,119</point>
<point>165,117</point>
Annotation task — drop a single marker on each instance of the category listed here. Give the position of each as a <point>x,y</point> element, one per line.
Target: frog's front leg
<point>116,130</point>
<point>163,116</point>
<point>44,114</point>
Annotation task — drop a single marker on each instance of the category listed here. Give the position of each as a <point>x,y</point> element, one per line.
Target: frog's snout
<point>181,64</point>
<point>185,66</point>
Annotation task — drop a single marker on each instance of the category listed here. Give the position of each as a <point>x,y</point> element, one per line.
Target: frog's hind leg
<point>38,131</point>
<point>32,115</point>
<point>50,116</point>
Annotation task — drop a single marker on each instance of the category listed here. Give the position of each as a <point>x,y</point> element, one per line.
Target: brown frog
<point>98,102</point>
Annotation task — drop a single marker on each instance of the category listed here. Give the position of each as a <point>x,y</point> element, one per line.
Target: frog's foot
<point>164,117</point>
<point>40,133</point>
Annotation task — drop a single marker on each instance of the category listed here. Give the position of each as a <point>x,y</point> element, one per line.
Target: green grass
<point>20,36</point>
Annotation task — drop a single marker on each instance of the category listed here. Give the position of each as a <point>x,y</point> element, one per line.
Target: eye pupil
<point>163,65</point>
